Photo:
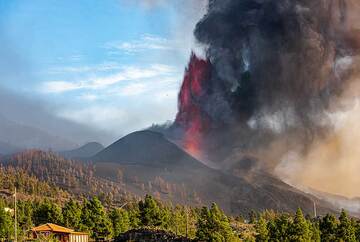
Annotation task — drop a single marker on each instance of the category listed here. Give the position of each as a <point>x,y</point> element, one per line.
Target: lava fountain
<point>191,118</point>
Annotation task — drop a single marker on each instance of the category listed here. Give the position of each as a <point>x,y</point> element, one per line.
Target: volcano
<point>147,148</point>
<point>150,163</point>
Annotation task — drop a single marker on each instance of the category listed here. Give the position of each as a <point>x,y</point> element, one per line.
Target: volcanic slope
<point>149,163</point>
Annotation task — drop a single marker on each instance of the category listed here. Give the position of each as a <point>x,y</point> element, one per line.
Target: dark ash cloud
<point>277,67</point>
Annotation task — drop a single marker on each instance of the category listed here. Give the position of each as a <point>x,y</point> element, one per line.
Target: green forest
<point>199,224</point>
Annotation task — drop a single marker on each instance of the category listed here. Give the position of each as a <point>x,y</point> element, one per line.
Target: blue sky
<point>114,64</point>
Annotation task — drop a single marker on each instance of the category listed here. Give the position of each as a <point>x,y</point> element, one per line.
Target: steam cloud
<point>280,81</point>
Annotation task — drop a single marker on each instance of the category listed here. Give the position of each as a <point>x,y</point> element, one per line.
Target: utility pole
<point>187,222</point>
<point>15,216</point>
<point>315,212</point>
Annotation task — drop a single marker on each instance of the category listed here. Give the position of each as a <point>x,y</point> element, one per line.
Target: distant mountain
<point>85,151</point>
<point>149,163</point>
<point>28,137</point>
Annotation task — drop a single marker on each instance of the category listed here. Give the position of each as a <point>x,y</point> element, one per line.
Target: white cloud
<point>158,88</point>
<point>128,73</point>
<point>146,42</point>
<point>148,3</point>
<point>133,89</point>
<point>88,97</point>
<point>107,66</point>
<point>59,86</point>
<point>132,73</point>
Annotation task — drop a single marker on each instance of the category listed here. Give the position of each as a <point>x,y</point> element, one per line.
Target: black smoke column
<point>272,71</point>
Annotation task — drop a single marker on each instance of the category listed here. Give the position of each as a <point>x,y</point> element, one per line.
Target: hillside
<point>28,186</point>
<point>148,163</point>
<point>74,177</point>
<point>85,151</point>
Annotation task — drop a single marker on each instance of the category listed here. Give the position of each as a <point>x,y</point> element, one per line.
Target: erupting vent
<point>191,117</point>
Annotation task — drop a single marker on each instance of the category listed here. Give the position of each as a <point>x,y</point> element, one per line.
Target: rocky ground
<point>147,235</point>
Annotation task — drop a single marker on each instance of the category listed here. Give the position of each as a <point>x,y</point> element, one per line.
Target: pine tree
<point>150,213</point>
<point>6,222</point>
<point>47,212</point>
<point>213,225</point>
<point>300,229</point>
<point>72,214</point>
<point>178,221</point>
<point>279,227</point>
<point>120,221</point>
<point>262,230</point>
<point>345,231</point>
<point>165,216</point>
<point>328,227</point>
<point>134,216</point>
<point>95,219</point>
<point>24,217</point>
<point>315,231</point>
<point>356,225</point>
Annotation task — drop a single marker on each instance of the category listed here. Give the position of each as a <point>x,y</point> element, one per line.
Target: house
<point>60,233</point>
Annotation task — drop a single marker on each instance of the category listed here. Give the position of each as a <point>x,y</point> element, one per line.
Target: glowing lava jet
<point>191,118</point>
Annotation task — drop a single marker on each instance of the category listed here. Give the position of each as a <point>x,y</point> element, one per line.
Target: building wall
<point>79,238</point>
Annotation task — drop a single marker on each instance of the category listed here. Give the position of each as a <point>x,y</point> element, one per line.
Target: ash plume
<point>276,72</point>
